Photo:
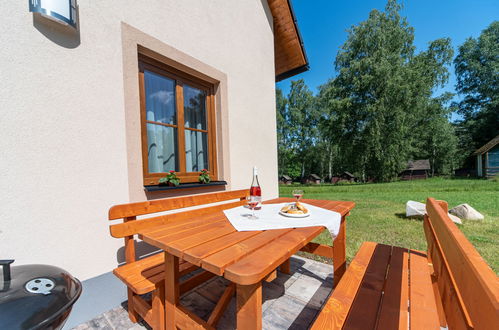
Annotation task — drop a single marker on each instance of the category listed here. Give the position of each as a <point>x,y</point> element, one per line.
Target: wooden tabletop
<point>244,257</point>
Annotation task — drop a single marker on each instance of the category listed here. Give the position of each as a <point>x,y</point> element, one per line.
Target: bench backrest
<point>131,225</point>
<point>468,288</point>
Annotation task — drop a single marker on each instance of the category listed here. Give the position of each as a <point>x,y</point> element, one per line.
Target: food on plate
<point>294,208</point>
<point>300,207</point>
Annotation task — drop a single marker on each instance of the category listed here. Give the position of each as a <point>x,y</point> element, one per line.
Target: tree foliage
<point>380,110</point>
<point>477,71</point>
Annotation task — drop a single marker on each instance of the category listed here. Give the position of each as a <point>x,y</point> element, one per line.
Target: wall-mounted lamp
<point>60,11</point>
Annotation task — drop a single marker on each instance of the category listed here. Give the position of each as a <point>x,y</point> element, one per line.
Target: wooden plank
<point>221,305</point>
<point>452,302</point>
<point>143,309</point>
<point>285,267</point>
<point>438,301</point>
<point>394,307</point>
<point>158,306</point>
<point>196,254</point>
<point>253,267</point>
<point>318,249</point>
<point>168,204</point>
<point>130,257</point>
<point>217,262</point>
<point>339,253</point>
<point>184,224</point>
<point>131,228</point>
<point>334,313</point>
<point>171,290</point>
<point>270,277</point>
<point>179,246</point>
<point>424,314</point>
<point>195,281</point>
<point>475,284</point>
<point>249,306</point>
<point>163,240</point>
<point>185,319</point>
<point>364,310</point>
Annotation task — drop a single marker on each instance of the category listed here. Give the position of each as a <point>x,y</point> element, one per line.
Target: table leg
<point>171,290</point>
<point>339,252</point>
<point>249,306</point>
<point>286,267</point>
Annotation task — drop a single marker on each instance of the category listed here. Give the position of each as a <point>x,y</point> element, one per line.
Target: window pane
<point>160,98</point>
<point>194,107</point>
<point>161,148</point>
<point>196,151</point>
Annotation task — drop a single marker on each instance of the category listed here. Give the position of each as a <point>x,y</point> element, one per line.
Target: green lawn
<point>379,214</point>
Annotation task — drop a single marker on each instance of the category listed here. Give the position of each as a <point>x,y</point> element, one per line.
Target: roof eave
<point>291,52</point>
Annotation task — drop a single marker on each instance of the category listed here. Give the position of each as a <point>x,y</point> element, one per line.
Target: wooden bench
<point>388,287</point>
<point>146,275</point>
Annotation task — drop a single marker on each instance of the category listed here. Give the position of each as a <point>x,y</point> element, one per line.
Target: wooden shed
<point>312,179</point>
<point>487,159</point>
<point>284,179</point>
<point>345,176</point>
<point>416,169</point>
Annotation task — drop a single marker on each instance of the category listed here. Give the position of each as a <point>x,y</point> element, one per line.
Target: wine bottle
<point>255,190</point>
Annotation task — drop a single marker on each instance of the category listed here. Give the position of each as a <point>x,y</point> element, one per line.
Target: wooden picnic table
<point>245,258</point>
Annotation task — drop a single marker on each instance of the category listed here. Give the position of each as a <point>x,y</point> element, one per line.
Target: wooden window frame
<point>180,79</point>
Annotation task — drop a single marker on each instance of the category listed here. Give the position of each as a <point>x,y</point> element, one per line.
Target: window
<point>178,123</point>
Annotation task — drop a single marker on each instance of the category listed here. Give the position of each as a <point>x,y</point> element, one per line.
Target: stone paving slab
<point>289,302</point>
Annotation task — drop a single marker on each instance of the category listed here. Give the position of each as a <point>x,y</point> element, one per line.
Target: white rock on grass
<point>415,209</point>
<point>455,219</point>
<point>466,212</point>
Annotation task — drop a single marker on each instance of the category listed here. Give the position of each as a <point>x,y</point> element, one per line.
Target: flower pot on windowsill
<point>170,179</point>
<point>204,177</point>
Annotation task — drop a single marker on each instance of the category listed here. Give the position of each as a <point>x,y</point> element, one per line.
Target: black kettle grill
<point>36,296</point>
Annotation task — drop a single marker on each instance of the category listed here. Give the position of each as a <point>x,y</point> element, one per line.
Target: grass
<point>379,214</point>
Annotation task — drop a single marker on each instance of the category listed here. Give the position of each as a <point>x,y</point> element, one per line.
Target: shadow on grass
<point>413,218</point>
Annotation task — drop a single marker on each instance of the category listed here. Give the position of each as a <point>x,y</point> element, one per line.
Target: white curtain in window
<point>196,151</point>
<point>161,143</point>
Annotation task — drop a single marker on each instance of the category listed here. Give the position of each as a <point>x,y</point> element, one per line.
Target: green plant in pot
<point>170,179</point>
<point>204,177</point>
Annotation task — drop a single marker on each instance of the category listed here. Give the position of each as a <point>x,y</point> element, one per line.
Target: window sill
<point>184,186</point>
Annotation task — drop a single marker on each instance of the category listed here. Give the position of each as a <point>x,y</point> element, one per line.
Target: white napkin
<point>269,218</point>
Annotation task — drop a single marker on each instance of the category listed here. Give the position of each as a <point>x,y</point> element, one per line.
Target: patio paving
<point>289,302</point>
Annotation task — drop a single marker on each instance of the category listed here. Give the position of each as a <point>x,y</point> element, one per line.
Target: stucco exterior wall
<point>63,130</point>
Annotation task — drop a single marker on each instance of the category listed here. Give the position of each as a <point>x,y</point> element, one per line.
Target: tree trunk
<point>330,163</point>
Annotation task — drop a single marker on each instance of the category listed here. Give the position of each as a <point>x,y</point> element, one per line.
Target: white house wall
<point>63,131</point>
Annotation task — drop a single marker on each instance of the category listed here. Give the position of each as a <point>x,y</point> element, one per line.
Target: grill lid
<point>32,296</point>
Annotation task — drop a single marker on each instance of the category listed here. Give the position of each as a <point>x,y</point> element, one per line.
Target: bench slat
<point>334,313</point>
<point>424,314</point>
<point>133,227</point>
<point>143,275</point>
<point>394,308</point>
<point>168,204</point>
<point>472,286</point>
<point>364,310</point>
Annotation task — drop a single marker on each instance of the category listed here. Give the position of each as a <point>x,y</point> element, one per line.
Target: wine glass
<point>252,203</point>
<point>297,193</point>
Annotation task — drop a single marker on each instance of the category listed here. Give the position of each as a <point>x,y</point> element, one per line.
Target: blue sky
<point>323,25</point>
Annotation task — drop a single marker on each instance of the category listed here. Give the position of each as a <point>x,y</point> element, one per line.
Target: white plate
<point>290,215</point>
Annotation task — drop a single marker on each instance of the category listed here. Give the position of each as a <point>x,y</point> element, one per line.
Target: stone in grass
<point>415,209</point>
<point>455,219</point>
<point>466,212</point>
